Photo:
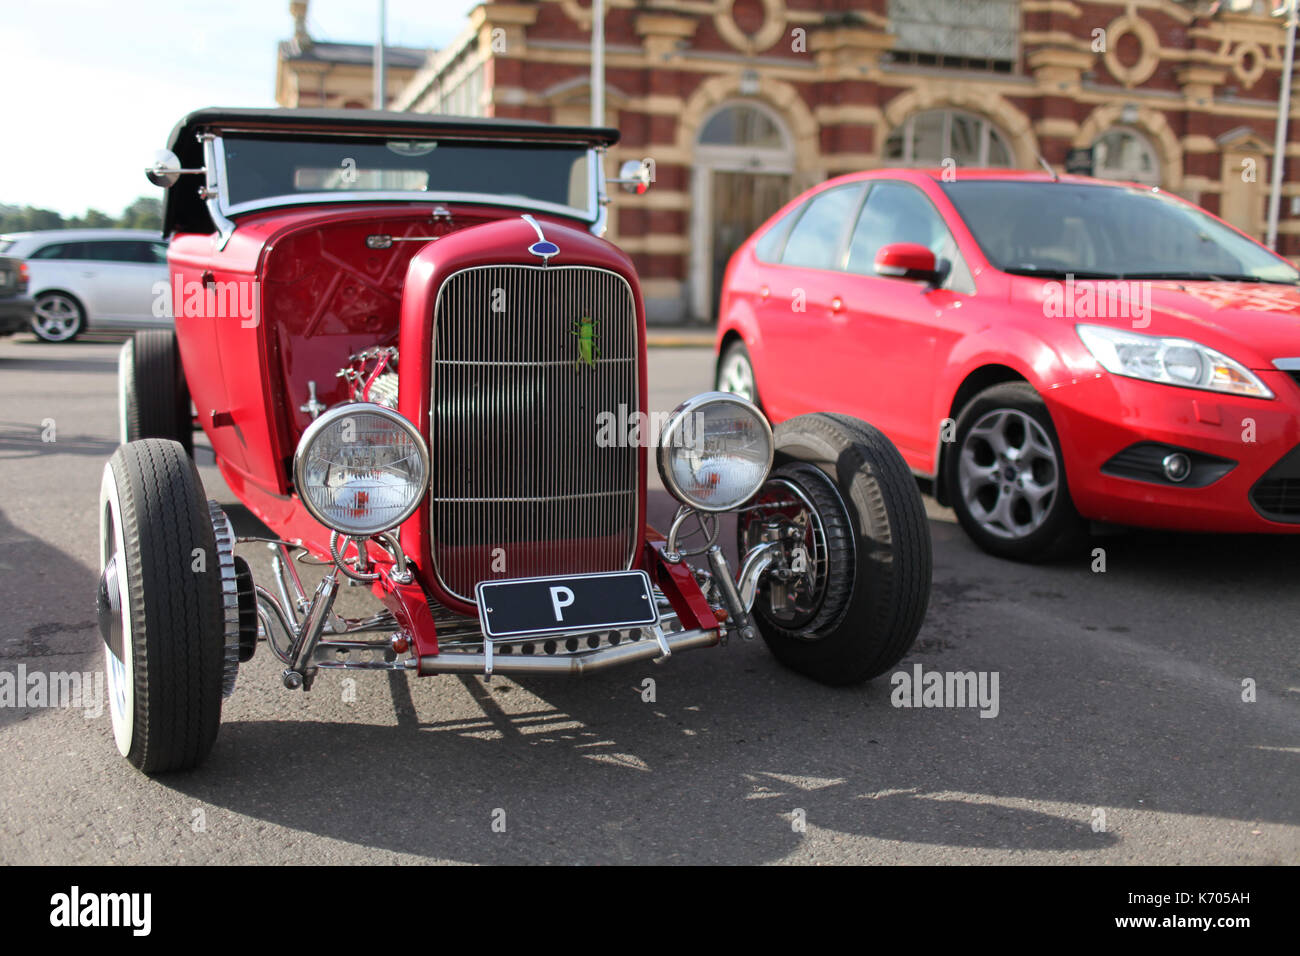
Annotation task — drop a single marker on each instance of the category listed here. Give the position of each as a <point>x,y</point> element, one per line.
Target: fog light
<point>1177,466</point>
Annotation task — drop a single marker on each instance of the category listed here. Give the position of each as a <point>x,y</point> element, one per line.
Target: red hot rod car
<point>402,336</point>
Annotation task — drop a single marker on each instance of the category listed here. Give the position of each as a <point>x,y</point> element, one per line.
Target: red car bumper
<point>1099,417</point>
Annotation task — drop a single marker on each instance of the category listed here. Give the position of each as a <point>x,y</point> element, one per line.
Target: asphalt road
<point>1121,734</point>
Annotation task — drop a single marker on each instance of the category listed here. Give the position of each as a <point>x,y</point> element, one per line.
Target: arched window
<point>742,125</point>
<point>1124,153</point>
<point>929,138</point>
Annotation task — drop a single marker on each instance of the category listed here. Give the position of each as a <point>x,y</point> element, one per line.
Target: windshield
<point>1093,231</point>
<point>261,168</point>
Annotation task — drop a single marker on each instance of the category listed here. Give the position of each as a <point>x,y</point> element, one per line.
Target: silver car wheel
<point>56,318</point>
<point>737,376</point>
<point>1008,473</point>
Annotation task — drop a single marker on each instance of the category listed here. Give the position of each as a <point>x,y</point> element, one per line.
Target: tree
<point>142,213</point>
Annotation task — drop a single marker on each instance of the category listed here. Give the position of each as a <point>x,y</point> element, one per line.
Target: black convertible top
<point>184,211</point>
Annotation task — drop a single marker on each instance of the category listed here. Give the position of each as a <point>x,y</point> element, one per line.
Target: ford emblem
<point>544,248</point>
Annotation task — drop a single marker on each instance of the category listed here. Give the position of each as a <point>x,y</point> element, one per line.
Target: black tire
<point>153,394</point>
<point>878,556</point>
<point>1022,534</point>
<point>165,685</point>
<point>59,316</point>
<point>734,357</point>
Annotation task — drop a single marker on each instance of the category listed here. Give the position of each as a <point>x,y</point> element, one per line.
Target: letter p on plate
<point>561,597</point>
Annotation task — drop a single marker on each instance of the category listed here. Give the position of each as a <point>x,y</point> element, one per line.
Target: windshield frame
<point>1185,207</point>
<point>589,215</point>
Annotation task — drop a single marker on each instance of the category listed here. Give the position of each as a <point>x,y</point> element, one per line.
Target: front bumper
<point>1099,417</point>
<point>16,314</point>
<point>658,648</point>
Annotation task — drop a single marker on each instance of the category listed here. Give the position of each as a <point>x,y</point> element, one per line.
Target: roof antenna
<point>1048,166</point>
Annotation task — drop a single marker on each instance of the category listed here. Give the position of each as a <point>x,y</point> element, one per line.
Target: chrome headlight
<point>1169,361</point>
<point>361,469</point>
<point>715,452</point>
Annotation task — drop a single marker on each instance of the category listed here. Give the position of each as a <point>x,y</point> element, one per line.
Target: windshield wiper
<point>1204,277</point>
<point>1059,273</point>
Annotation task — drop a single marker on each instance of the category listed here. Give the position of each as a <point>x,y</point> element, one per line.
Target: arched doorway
<point>744,159</point>
<point>1125,154</point>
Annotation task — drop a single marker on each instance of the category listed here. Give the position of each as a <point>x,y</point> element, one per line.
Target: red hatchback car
<point>1049,350</point>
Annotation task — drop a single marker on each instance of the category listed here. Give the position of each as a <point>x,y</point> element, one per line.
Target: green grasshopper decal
<point>588,351</point>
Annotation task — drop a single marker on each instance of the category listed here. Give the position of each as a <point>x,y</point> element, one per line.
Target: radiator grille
<point>521,487</point>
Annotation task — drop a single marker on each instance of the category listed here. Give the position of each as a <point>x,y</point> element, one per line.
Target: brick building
<point>743,103</point>
<point>316,73</point>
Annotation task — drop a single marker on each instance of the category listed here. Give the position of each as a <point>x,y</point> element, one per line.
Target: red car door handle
<point>837,304</point>
<point>764,292</point>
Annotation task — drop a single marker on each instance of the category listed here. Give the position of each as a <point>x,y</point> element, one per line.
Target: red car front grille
<point>525,360</point>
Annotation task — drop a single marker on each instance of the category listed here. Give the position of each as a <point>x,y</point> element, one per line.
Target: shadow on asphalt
<point>50,639</point>
<point>735,745</point>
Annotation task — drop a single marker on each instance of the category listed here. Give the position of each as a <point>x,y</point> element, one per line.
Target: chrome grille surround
<point>520,487</point>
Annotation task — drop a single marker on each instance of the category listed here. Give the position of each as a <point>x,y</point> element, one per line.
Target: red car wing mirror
<point>906,260</point>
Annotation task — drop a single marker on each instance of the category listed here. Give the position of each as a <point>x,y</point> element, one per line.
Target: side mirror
<point>907,260</point>
<point>634,176</point>
<point>166,169</point>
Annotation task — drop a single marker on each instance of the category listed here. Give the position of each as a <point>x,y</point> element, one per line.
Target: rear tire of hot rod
<point>868,545</point>
<point>160,607</point>
<point>153,398</point>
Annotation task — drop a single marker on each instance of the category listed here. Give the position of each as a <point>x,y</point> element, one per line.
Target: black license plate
<point>570,603</point>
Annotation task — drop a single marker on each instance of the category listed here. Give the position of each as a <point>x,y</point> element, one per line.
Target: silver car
<point>93,278</point>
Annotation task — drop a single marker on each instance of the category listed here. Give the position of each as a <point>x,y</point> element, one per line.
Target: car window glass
<point>768,248</point>
<point>896,212</point>
<point>816,237</point>
<point>1060,227</point>
<point>61,250</point>
<point>114,250</point>
<point>138,251</point>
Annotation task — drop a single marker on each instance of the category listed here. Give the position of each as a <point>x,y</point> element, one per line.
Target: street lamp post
<point>381,86</point>
<point>1283,114</point>
<point>597,62</point>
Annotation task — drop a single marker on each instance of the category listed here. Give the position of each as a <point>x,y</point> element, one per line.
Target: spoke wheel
<point>803,534</point>
<point>57,317</point>
<point>736,373</point>
<point>1005,476</point>
<point>1009,473</point>
<point>847,510</point>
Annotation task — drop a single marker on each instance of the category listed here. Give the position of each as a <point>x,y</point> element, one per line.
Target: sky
<point>94,87</point>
